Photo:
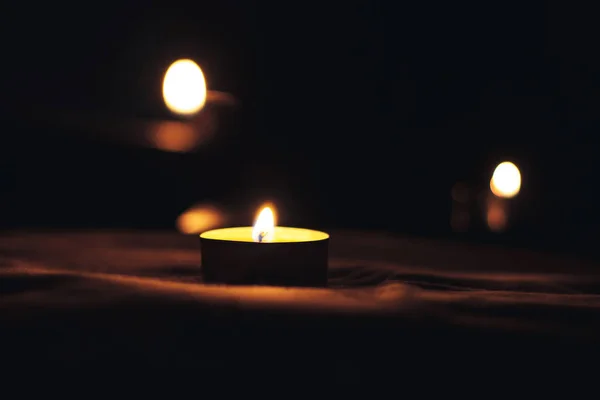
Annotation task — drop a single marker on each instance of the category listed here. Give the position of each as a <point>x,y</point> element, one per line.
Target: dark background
<point>361,115</point>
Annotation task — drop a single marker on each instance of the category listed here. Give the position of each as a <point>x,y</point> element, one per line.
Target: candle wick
<point>261,236</point>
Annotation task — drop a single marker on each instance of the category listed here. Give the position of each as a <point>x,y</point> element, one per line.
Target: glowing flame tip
<point>184,87</point>
<point>506,180</point>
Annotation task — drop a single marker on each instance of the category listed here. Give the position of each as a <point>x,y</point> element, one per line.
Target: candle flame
<point>264,226</point>
<point>506,180</point>
<point>184,88</point>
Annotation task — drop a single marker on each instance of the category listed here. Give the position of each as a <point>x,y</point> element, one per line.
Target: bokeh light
<point>496,215</point>
<point>200,218</point>
<point>184,88</point>
<point>506,180</point>
<point>460,192</point>
<point>174,136</point>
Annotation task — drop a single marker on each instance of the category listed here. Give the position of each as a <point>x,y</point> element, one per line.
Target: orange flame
<point>264,226</point>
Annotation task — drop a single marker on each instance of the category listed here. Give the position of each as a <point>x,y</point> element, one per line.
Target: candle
<point>265,254</point>
<point>505,184</point>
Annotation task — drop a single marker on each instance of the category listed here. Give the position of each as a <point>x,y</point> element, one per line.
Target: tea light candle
<point>265,254</point>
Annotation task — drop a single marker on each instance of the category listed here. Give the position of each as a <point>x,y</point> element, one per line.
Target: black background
<point>354,115</point>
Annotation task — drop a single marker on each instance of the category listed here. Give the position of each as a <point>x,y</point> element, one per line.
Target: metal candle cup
<point>292,257</point>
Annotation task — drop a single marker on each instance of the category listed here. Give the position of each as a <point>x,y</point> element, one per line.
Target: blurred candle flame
<point>200,218</point>
<point>184,88</point>
<point>264,226</point>
<point>506,180</point>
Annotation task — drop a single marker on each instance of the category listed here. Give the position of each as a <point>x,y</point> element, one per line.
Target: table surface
<point>91,296</point>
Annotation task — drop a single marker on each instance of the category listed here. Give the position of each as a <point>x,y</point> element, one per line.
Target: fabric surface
<point>72,298</point>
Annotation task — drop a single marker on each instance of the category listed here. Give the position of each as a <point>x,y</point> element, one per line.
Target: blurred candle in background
<point>184,88</point>
<point>506,180</point>
<point>505,184</point>
<point>460,217</point>
<point>201,217</point>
